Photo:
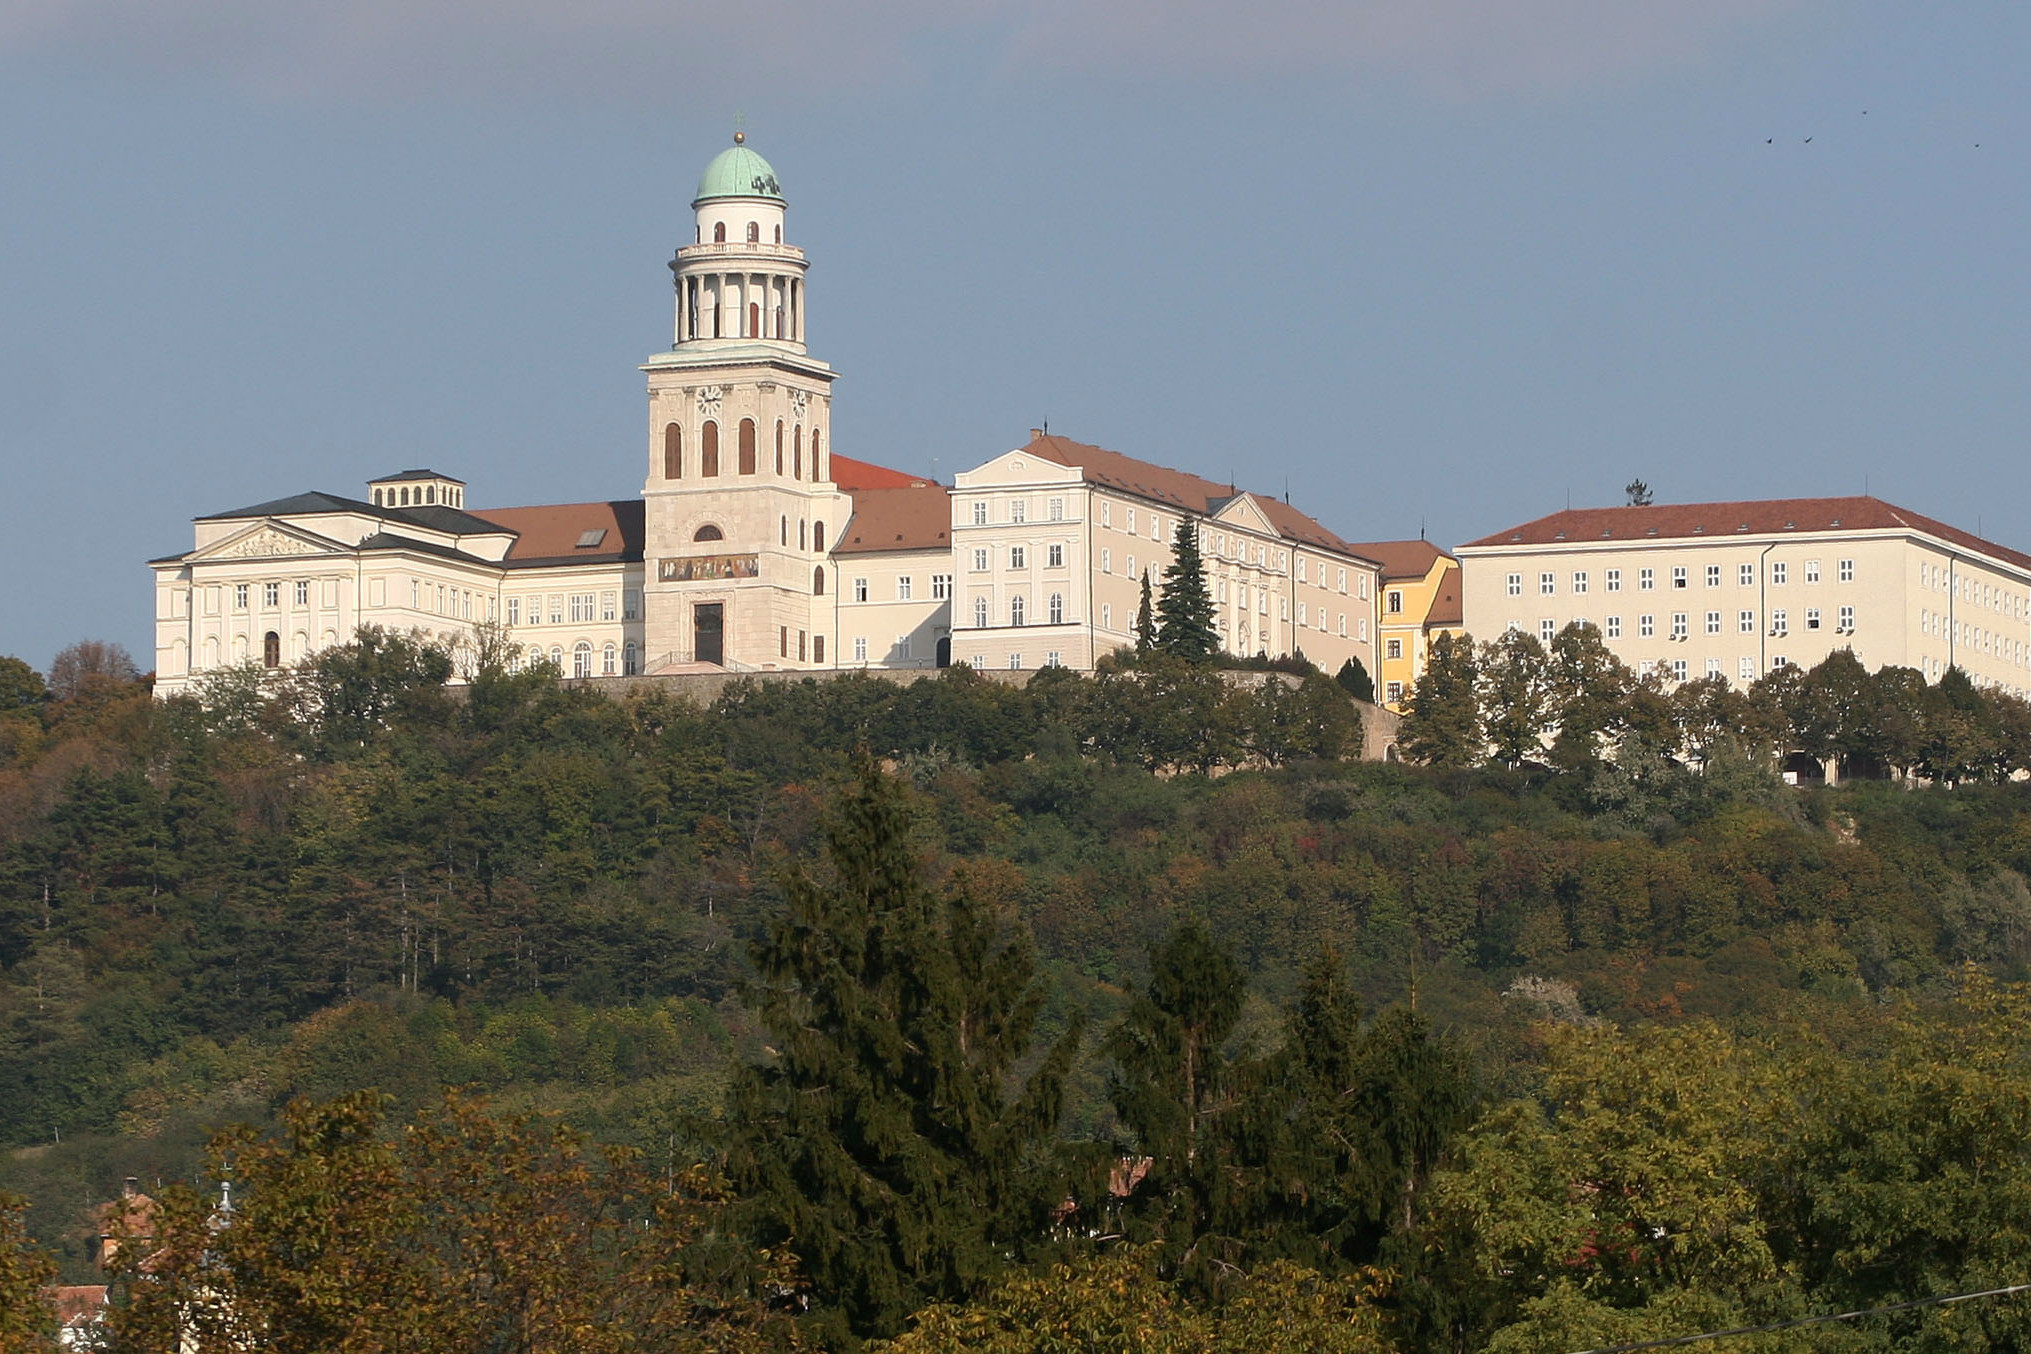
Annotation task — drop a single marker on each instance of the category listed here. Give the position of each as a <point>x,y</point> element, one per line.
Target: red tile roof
<point>1446,607</point>
<point>850,475</point>
<point>1764,517</point>
<point>915,518</point>
<point>549,533</point>
<point>1402,559</point>
<point>1179,488</point>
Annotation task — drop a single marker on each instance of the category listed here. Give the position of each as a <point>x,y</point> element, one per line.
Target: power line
<point>1808,1320</point>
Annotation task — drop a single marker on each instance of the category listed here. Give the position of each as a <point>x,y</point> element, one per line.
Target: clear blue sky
<point>1436,261</point>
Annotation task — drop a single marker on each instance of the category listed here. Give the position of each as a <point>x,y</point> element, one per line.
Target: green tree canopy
<point>1185,626</point>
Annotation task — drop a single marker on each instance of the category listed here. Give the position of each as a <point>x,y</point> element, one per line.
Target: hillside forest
<point>1126,1011</point>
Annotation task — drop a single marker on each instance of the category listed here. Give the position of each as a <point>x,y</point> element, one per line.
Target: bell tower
<point>740,509</point>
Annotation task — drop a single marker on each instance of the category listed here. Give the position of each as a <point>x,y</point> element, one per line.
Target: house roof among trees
<point>1760,517</point>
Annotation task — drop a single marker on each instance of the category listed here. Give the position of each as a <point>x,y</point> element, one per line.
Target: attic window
<point>590,537</point>
<point>1607,531</point>
<point>1698,531</point>
<point>1791,526</point>
<point>1560,536</point>
<point>1743,527</point>
<point>1651,532</point>
<point>1837,521</point>
<point>1515,535</point>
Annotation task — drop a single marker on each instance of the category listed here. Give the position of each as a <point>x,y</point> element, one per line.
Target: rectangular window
<point>271,594</point>
<point>1646,579</point>
<point>1713,622</point>
<point>1393,602</point>
<point>1812,571</point>
<point>980,613</point>
<point>1051,659</point>
<point>514,611</point>
<point>904,583</point>
<point>1302,614</point>
<point>1778,624</point>
<point>1646,626</point>
<point>1745,669</point>
<point>1614,627</point>
<point>1847,614</point>
<point>783,641</point>
<point>1579,582</point>
<point>1547,584</point>
<point>1054,555</point>
<point>860,649</point>
<point>860,589</point>
<point>606,606</point>
<point>1130,519</point>
<point>1304,577</point>
<point>1547,630</point>
<point>1018,510</point>
<point>1745,622</point>
<point>1713,667</point>
<point>240,592</point>
<point>1395,690</point>
<point>303,592</point>
<point>980,513</point>
<point>1745,575</point>
<point>941,587</point>
<point>1646,667</point>
<point>1779,661</point>
<point>557,608</point>
<point>980,561</point>
<point>1614,580</point>
<point>1343,581</point>
<point>979,662</point>
<point>1678,625</point>
<point>1847,571</point>
<point>1713,575</point>
<point>1106,513</point>
<point>1516,585</point>
<point>1778,571</point>
<point>1106,561</point>
<point>1131,568</point>
<point>581,606</point>
<point>1055,510</point>
<point>631,604</point>
<point>1018,557</point>
<point>1156,527</point>
<point>1106,616</point>
<point>1395,648</point>
<point>902,646</point>
<point>1678,578</point>
<point>1812,618</point>
<point>1679,670</point>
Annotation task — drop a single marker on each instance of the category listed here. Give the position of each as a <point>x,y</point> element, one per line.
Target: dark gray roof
<point>435,517</point>
<point>417,475</point>
<point>386,540</point>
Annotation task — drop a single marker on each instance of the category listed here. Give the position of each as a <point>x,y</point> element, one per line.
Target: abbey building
<point>753,545</point>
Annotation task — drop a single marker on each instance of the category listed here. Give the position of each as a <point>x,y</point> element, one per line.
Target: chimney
<point>1035,433</point>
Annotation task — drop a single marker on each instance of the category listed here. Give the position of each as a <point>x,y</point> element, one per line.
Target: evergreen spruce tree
<point>1145,621</point>
<point>886,1141</point>
<point>1185,616</point>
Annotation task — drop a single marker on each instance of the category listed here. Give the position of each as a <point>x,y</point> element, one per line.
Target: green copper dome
<point>738,172</point>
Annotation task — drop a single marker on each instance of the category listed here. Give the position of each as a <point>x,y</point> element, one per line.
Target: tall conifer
<point>1145,621</point>
<point>885,1142</point>
<point>1185,616</point>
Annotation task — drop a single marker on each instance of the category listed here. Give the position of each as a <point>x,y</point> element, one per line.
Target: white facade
<point>1737,589</point>
<point>754,547</point>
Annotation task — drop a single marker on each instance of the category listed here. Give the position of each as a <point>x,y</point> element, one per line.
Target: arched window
<point>980,613</point>
<point>609,661</point>
<point>779,446</point>
<point>747,446</point>
<point>377,499</point>
<point>1057,608</point>
<point>708,449</point>
<point>754,232</point>
<point>816,473</point>
<point>557,658</point>
<point>708,532</point>
<point>803,534</point>
<point>797,440</point>
<point>430,494</point>
<point>754,319</point>
<point>271,650</point>
<point>786,531</point>
<point>673,452</point>
<point>581,659</point>
<point>779,234</point>
<point>719,232</point>
<point>818,581</point>
<point>797,462</point>
<point>628,662</point>
<point>818,537</point>
<point>405,496</point>
<point>1015,610</point>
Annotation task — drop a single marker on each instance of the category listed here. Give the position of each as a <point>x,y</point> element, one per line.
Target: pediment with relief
<point>1243,512</point>
<point>268,541</point>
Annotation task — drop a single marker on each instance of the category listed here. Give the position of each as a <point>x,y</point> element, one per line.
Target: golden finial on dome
<point>740,122</point>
